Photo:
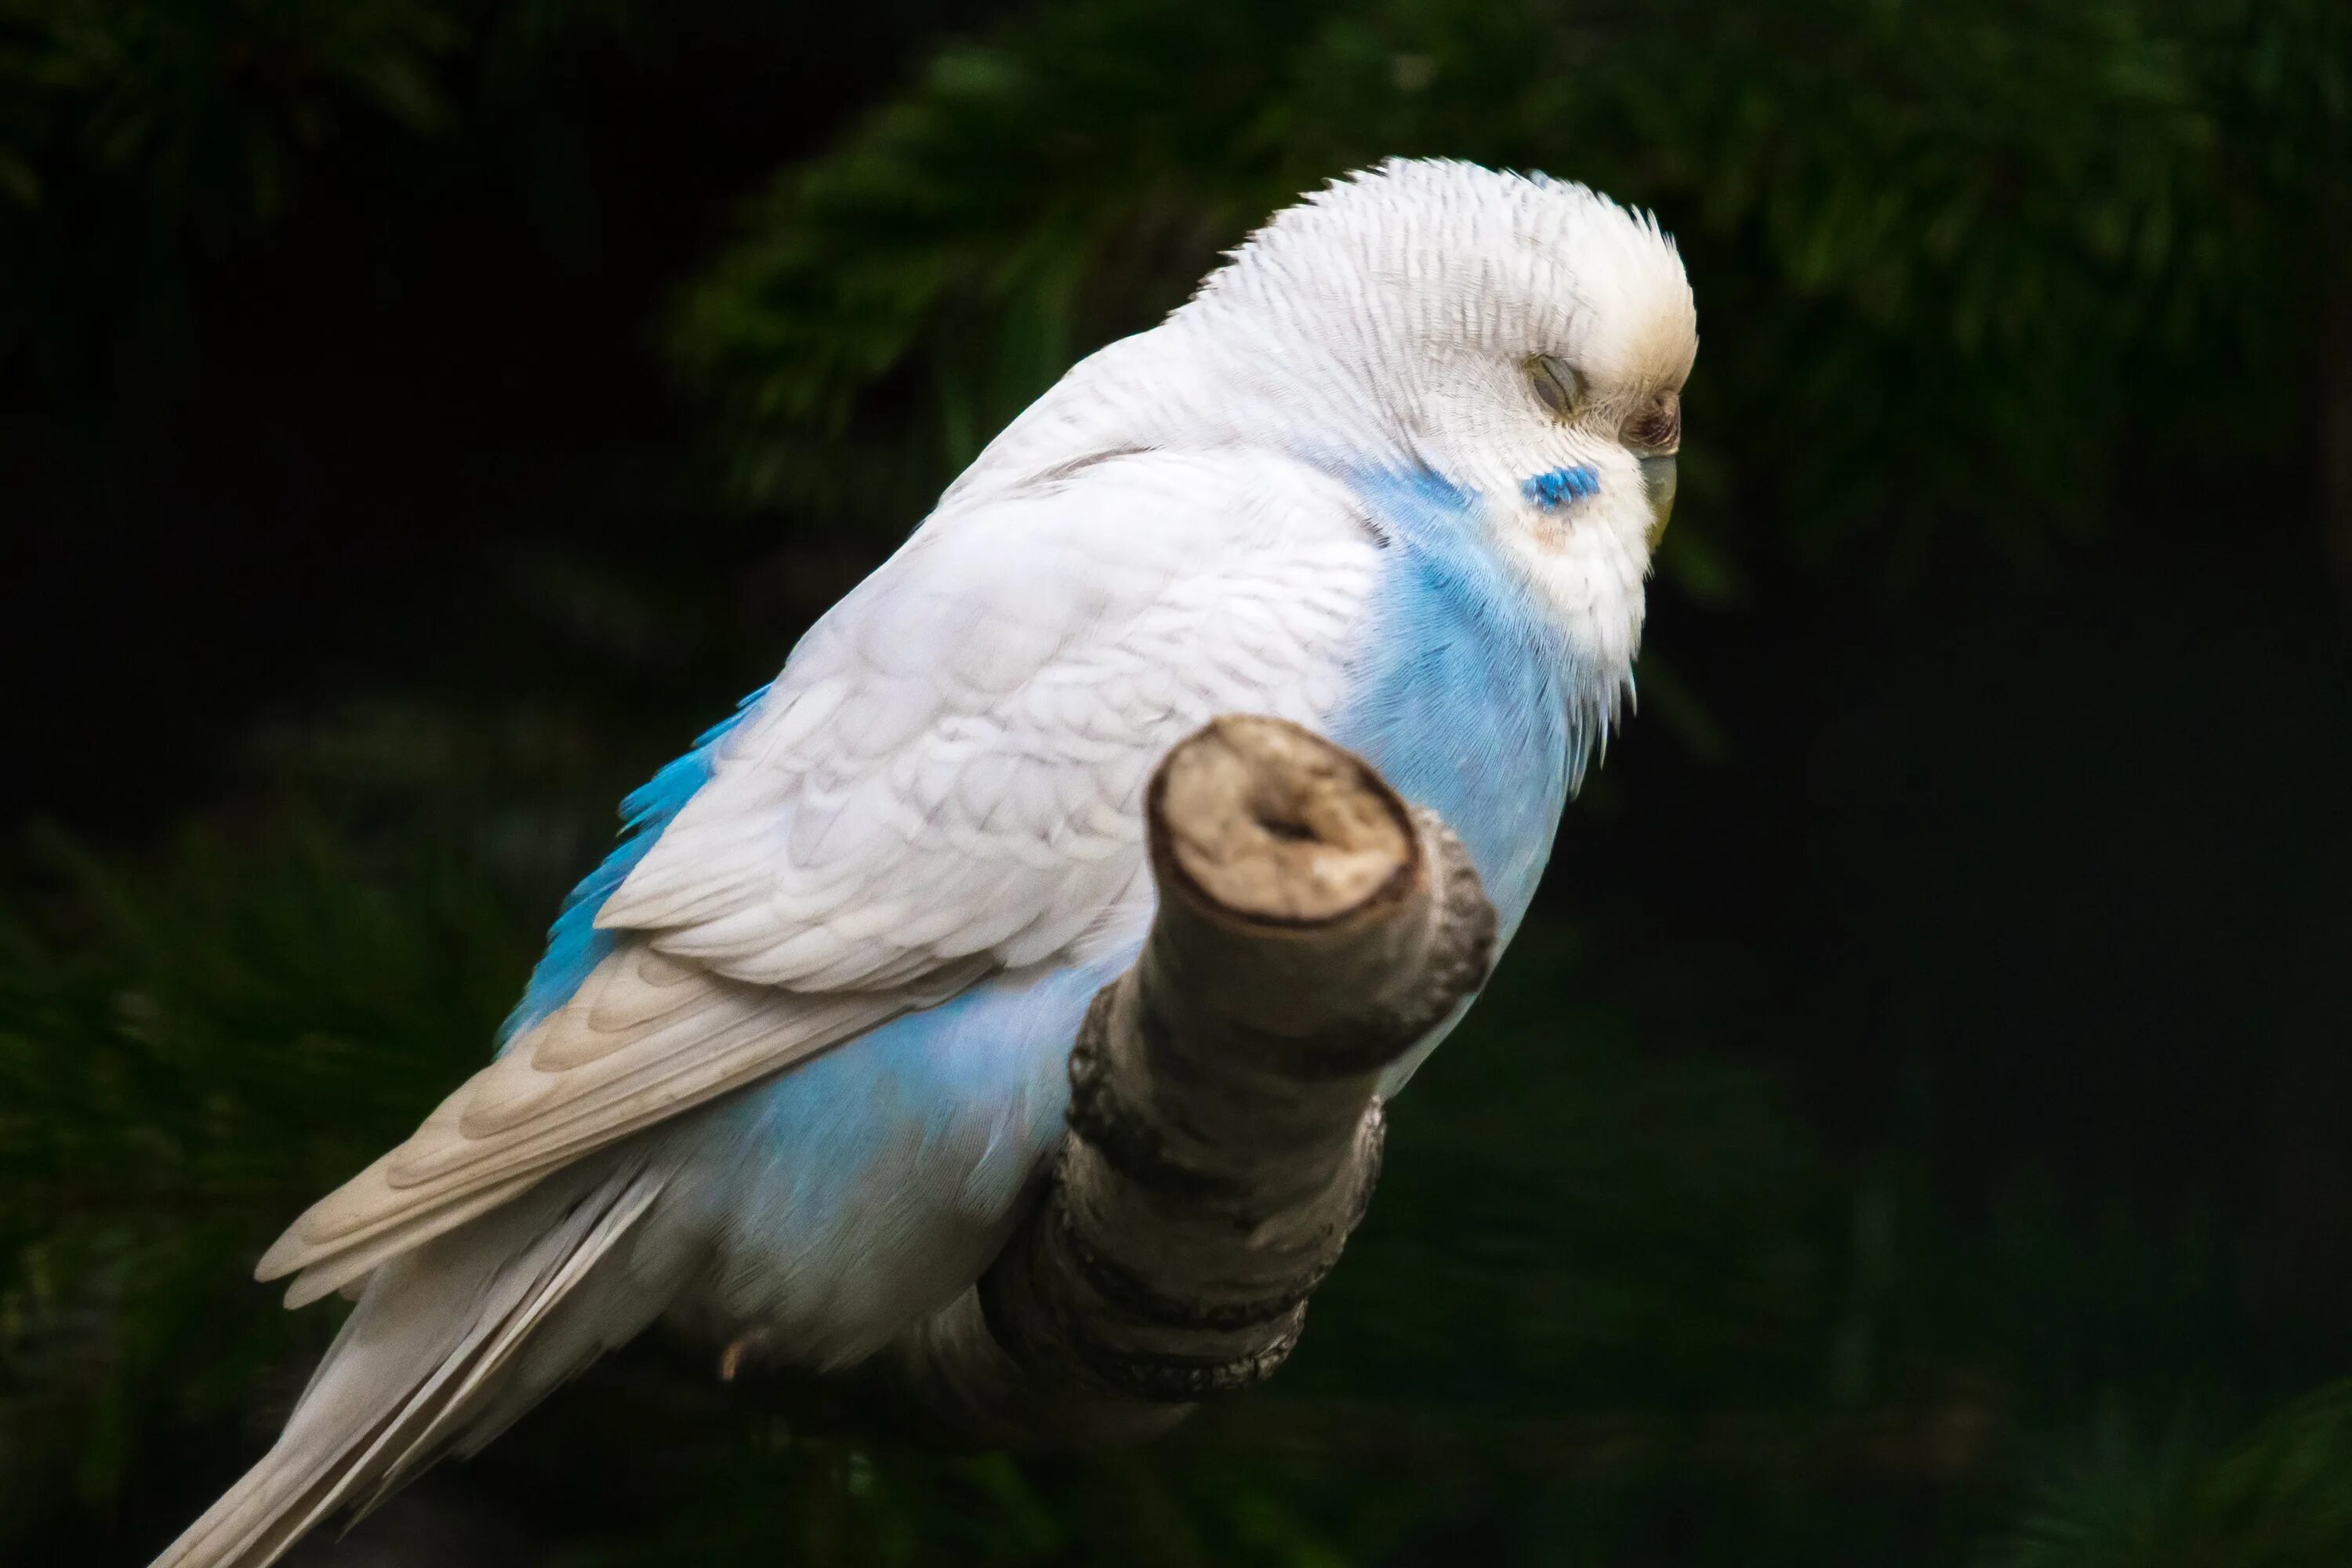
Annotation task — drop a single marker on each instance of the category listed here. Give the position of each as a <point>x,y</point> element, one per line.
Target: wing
<point>947,779</point>
<point>953,766</point>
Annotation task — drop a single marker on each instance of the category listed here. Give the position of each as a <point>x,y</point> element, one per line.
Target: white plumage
<point>810,1064</point>
<point>898,818</point>
<point>987,706</point>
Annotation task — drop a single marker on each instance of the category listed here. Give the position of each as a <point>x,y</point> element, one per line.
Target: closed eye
<point>1557,385</point>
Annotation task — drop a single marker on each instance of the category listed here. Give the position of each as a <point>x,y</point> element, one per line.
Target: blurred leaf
<point>2280,1497</point>
<point>188,1055</point>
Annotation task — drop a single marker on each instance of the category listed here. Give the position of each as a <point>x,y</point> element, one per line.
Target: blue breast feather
<point>871,1183</point>
<point>1468,699</point>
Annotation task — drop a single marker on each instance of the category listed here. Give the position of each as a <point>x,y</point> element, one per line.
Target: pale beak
<point>1658,485</point>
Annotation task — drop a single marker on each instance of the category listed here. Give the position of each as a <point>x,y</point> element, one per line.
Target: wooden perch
<point>1224,1123</point>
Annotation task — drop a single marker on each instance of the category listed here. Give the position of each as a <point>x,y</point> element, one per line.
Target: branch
<point>1224,1123</point>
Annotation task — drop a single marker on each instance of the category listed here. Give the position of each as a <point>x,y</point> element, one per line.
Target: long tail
<point>447,1346</point>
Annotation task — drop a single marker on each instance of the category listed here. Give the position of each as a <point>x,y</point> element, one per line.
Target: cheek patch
<point>1561,485</point>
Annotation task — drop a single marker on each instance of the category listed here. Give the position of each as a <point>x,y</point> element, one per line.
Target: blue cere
<point>1561,485</point>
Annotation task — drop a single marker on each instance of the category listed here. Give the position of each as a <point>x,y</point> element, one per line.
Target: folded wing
<point>947,779</point>
<point>954,765</point>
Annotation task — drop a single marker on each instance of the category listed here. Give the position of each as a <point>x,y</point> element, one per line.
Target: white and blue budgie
<point>797,1049</point>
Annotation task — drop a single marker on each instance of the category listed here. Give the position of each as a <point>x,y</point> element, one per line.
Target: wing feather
<point>1017,672</point>
<point>645,1037</point>
<point>946,780</point>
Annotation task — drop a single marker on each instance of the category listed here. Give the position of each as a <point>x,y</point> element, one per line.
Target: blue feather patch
<point>1466,696</point>
<point>1561,485</point>
<point>574,945</point>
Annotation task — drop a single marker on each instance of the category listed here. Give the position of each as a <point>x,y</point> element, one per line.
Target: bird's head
<point>1525,339</point>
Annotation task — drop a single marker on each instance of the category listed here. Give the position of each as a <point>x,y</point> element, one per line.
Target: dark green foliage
<point>135,137</point>
<point>2277,1497</point>
<point>187,1055</point>
<point>2006,223</point>
<point>1605,1266</point>
<point>206,108</point>
<point>1932,1054</point>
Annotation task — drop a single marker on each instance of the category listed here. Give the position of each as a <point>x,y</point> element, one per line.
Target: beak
<point>1658,485</point>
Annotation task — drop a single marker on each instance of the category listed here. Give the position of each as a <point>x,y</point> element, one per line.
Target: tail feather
<point>436,1344</point>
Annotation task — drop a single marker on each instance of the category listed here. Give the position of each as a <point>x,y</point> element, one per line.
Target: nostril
<point>1657,428</point>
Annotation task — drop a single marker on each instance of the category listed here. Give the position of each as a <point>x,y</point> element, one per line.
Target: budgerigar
<point>799,1045</point>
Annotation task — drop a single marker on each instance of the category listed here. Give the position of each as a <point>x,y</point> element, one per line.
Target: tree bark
<point>1224,1120</point>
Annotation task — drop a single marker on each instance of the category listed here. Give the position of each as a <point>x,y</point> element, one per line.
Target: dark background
<point>1910,1129</point>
